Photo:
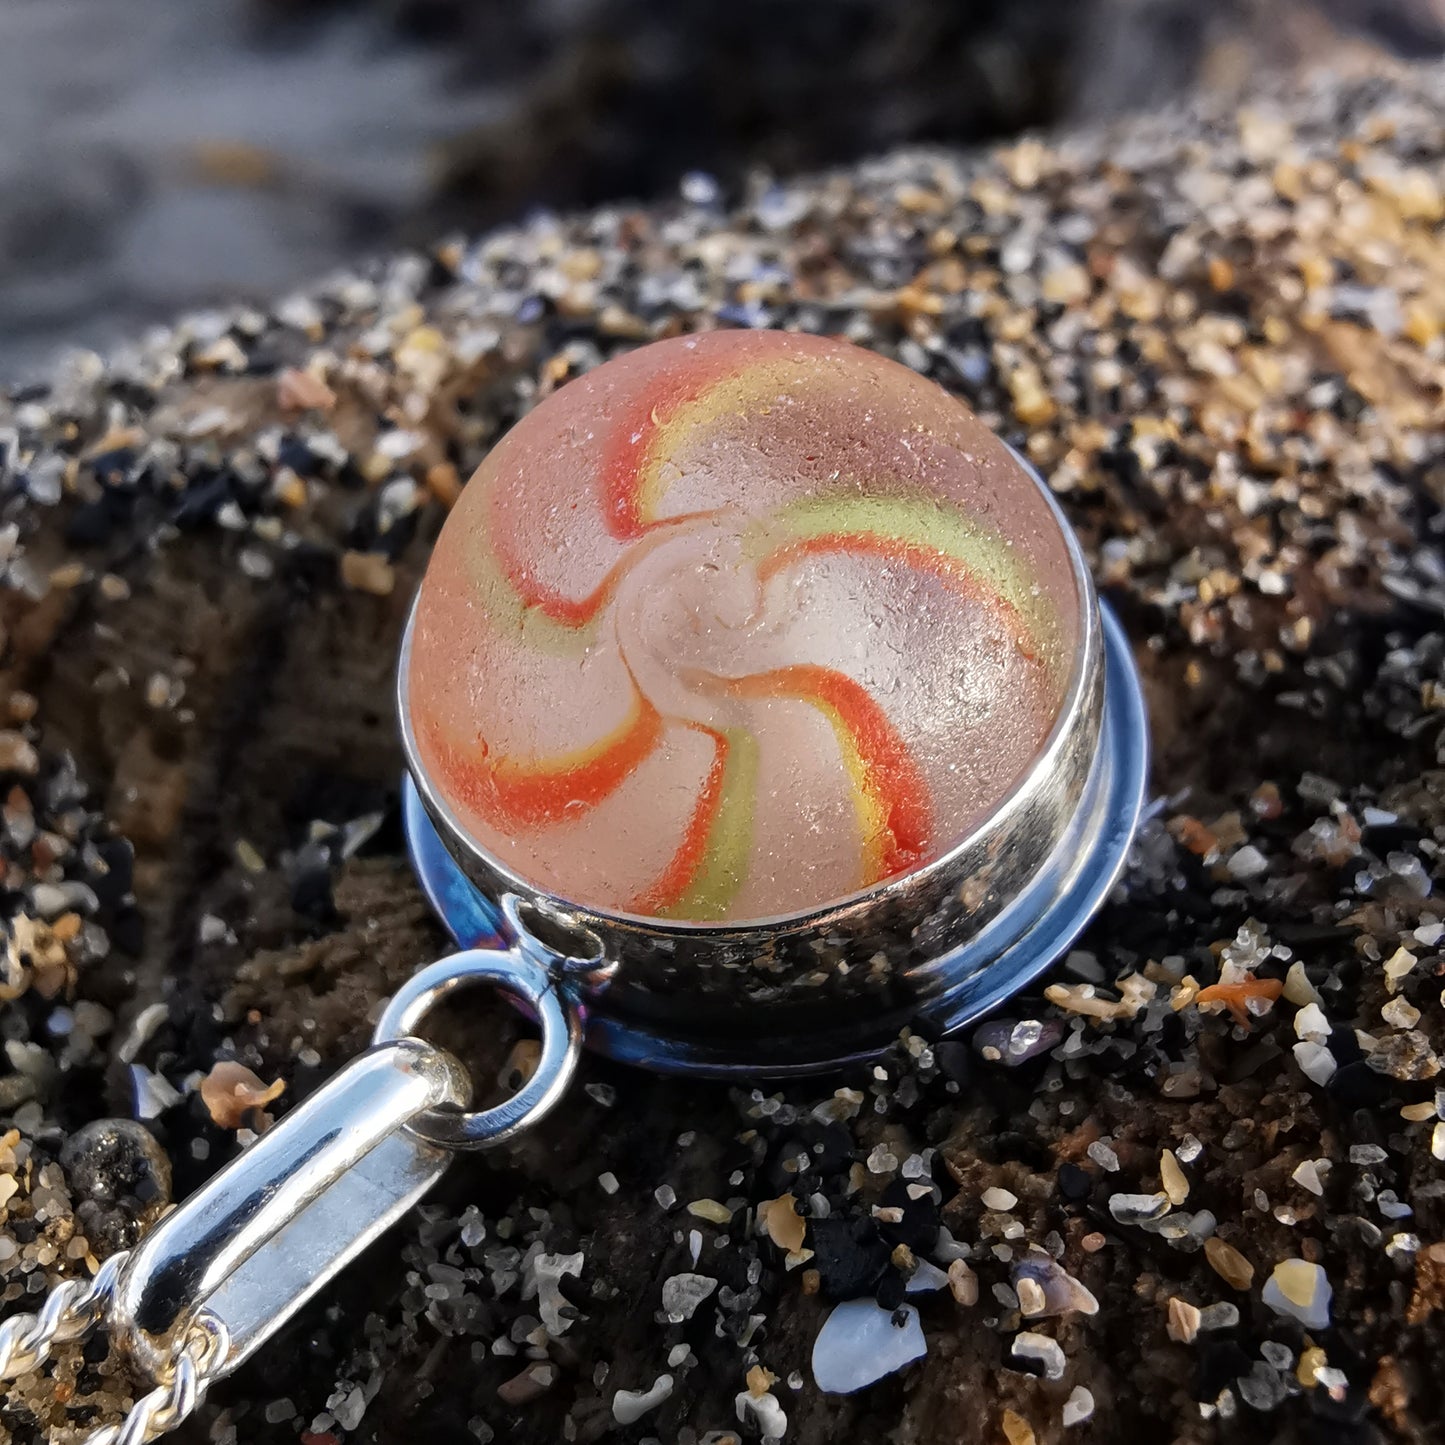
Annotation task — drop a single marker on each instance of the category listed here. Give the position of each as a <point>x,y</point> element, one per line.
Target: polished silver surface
<point>259,1239</point>
<point>533,975</point>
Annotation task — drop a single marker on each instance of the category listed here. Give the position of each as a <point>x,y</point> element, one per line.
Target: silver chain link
<point>74,1308</point>
<point>191,1372</point>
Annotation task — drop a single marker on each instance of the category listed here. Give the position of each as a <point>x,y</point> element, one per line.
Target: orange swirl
<point>736,626</point>
<point>892,797</point>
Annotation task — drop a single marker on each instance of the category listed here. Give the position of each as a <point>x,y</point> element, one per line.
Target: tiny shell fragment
<point>1228,1263</point>
<point>1017,1430</point>
<point>963,1283</point>
<point>629,1406</point>
<point>231,1091</point>
<point>1183,1321</point>
<point>1078,1407</point>
<point>1043,1350</point>
<point>782,1223</point>
<point>1173,1178</point>
<point>683,1293</point>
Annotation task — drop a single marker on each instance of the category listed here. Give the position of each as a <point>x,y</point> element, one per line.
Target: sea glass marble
<point>737,626</point>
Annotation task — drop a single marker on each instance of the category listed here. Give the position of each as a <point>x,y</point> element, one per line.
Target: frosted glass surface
<point>736,626</point>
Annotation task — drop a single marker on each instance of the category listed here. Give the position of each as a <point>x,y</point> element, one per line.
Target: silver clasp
<point>245,1252</point>
<point>225,1270</point>
<point>248,1249</point>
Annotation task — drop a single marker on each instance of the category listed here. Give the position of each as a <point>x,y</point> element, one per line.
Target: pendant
<point>762,670</point>
<point>756,704</point>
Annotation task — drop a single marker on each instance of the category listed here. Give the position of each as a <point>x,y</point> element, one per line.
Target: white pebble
<point>926,1278</point>
<point>1136,1208</point>
<point>769,1416</point>
<point>1397,967</point>
<point>1104,1156</point>
<point>1041,1348</point>
<point>882,1160</point>
<point>1078,1407</point>
<point>683,1293</point>
<point>1400,1013</point>
<point>1391,1206</point>
<point>1297,986</point>
<point>49,900</point>
<point>859,1343</point>
<point>1316,1062</point>
<point>1248,862</point>
<point>1300,1290</point>
<point>1031,1297</point>
<point>549,1270</point>
<point>1310,1023</point>
<point>154,1094</point>
<point>999,1199</point>
<point>629,1406</point>
<point>1220,1316</point>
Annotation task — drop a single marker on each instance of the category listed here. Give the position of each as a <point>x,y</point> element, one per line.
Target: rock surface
<point>169,153</point>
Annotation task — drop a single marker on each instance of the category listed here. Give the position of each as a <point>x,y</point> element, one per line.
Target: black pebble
<point>918,1228</point>
<point>294,453</point>
<point>115,1161</point>
<point>127,932</point>
<point>849,1255</point>
<point>311,894</point>
<point>1345,1046</point>
<point>202,499</point>
<point>112,467</point>
<point>112,886</point>
<point>1074,1183</point>
<point>1352,1410</point>
<point>955,1060</point>
<point>891,1289</point>
<point>1358,1086</point>
<point>313,565</point>
<point>91,523</point>
<point>1220,1362</point>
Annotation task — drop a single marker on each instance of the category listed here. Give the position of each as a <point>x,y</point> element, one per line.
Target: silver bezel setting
<point>936,947</point>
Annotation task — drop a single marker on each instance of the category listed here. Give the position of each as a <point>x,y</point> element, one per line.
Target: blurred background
<point>164,154</point>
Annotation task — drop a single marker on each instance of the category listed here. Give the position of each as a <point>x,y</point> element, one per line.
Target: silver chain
<point>74,1308</point>
<point>191,1372</point>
